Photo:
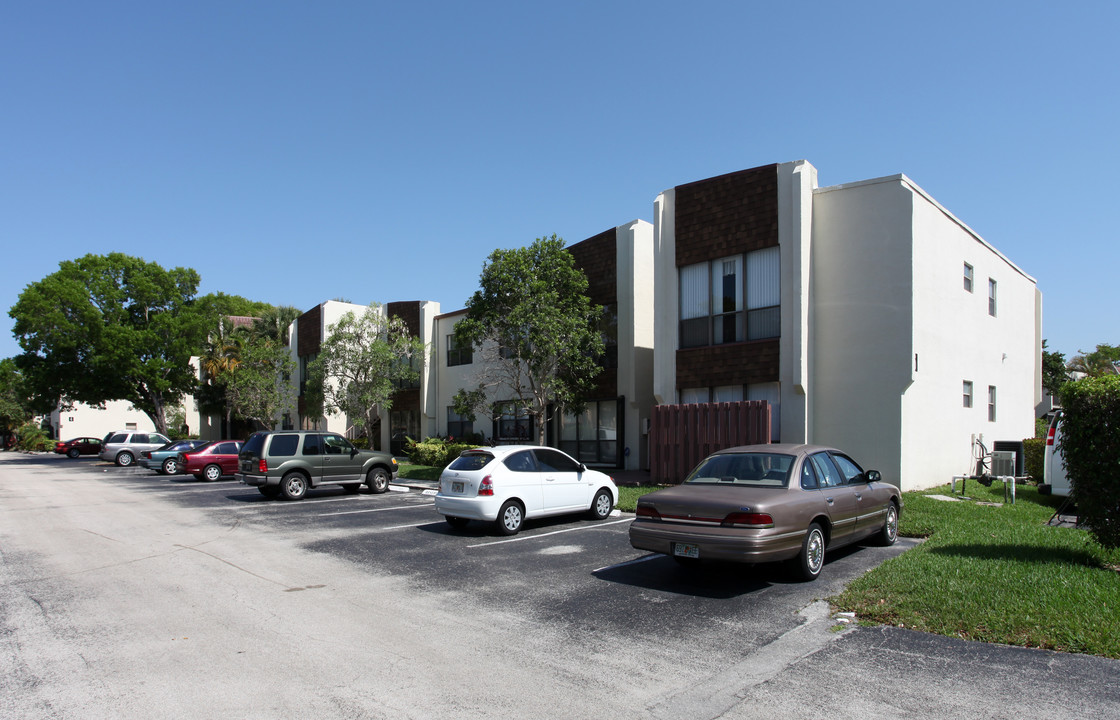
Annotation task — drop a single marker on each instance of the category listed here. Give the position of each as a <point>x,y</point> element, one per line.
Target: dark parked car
<point>762,503</point>
<point>289,462</point>
<point>211,461</point>
<point>78,446</point>
<point>165,460</point>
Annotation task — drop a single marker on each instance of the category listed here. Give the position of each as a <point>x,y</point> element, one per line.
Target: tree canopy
<point>535,330</point>
<point>111,327</point>
<point>360,365</point>
<point>1102,361</point>
<point>14,400</point>
<point>1054,373</point>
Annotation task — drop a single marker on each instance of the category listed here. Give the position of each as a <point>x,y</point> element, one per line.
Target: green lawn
<point>408,471</point>
<point>996,574</point>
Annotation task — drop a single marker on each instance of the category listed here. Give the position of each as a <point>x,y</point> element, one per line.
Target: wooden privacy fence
<point>680,436</point>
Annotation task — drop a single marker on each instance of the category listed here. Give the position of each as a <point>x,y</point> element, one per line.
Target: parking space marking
<point>554,532</point>
<point>373,510</point>
<point>645,558</point>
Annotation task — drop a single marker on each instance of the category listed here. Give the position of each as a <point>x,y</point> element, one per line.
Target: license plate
<point>457,487</point>
<point>688,551</point>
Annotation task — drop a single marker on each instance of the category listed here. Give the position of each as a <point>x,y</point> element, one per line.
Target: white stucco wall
<point>666,299</point>
<point>81,420</point>
<point>895,334</point>
<point>634,292</point>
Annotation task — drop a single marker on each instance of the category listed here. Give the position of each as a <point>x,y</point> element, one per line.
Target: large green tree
<point>14,399</point>
<point>258,384</point>
<point>1102,361</point>
<point>111,327</point>
<point>535,331</point>
<point>1054,373</point>
<point>360,365</point>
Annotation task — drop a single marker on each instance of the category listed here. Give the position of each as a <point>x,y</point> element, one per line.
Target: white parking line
<point>554,532</point>
<point>373,510</point>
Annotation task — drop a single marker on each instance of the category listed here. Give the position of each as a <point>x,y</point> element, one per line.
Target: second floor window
<point>732,299</point>
<point>991,297</point>
<point>968,393</point>
<point>458,353</point>
<point>968,277</point>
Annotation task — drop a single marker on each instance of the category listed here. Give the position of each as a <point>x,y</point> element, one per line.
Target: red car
<point>79,446</point>
<point>211,461</point>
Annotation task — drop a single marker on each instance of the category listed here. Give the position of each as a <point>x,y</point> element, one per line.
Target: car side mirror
<point>873,476</point>
<point>582,467</point>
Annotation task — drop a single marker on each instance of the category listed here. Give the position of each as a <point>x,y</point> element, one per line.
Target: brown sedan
<point>763,503</point>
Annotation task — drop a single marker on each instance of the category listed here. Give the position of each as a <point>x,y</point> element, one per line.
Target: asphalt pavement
<point>124,594</point>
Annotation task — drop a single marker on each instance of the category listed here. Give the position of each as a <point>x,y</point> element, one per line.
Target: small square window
<point>967,277</point>
<point>968,393</point>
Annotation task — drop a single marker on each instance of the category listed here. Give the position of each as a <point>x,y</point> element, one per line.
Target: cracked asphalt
<point>124,594</point>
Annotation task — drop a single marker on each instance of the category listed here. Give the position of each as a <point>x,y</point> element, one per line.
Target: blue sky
<point>296,152</point>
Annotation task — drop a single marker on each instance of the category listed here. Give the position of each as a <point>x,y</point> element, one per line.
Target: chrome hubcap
<point>815,551</point>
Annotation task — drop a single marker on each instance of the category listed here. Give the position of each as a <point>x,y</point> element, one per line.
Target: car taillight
<point>145,454</point>
<point>1050,436</point>
<point>262,466</point>
<point>648,511</point>
<point>486,487</point>
<point>744,519</point>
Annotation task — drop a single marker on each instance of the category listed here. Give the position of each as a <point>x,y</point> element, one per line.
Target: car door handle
<point>828,500</point>
<point>859,496</point>
<point>550,479</point>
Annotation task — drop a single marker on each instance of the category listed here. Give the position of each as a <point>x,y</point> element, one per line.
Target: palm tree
<point>221,357</point>
<point>274,323</point>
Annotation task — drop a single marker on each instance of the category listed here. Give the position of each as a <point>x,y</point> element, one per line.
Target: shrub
<point>436,451</point>
<point>1034,452</point>
<point>1091,448</point>
<point>33,438</point>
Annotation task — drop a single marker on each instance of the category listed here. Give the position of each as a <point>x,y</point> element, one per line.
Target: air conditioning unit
<point>1003,463</point>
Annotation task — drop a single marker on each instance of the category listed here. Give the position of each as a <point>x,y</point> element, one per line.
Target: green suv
<point>288,462</point>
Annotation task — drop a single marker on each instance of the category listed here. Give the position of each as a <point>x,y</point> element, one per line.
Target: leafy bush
<point>33,438</point>
<point>1034,452</point>
<point>1091,447</point>
<point>435,451</point>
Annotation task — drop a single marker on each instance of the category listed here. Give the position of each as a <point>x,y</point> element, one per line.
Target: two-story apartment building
<point>867,314</point>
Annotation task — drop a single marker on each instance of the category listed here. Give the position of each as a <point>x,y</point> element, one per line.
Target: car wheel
<point>889,533</point>
<point>378,480</point>
<point>294,486</point>
<point>456,522</point>
<point>72,453</point>
<point>210,473</point>
<point>170,466</point>
<point>811,559</point>
<point>269,491</point>
<point>510,518</point>
<point>125,459</point>
<point>351,488</point>
<point>602,505</point>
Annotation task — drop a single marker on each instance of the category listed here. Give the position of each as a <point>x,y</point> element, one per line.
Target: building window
<point>968,277</point>
<point>694,396</point>
<point>458,426</point>
<point>592,436</point>
<point>514,423</point>
<point>458,353</point>
<point>305,371</point>
<point>991,403</point>
<point>968,393</point>
<point>403,424</point>
<point>991,297</point>
<point>720,303</point>
<point>608,330</point>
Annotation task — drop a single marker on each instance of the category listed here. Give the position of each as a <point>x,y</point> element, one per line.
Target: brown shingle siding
<point>727,215</point>
<point>309,331</point>
<point>409,312</point>
<point>735,364</point>
<point>597,257</point>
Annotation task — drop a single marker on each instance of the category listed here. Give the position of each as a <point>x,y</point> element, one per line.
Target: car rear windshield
<point>118,438</point>
<point>254,445</point>
<point>283,445</point>
<point>471,461</point>
<point>753,469</point>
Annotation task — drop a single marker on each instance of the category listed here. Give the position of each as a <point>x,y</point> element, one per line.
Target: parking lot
<point>135,595</point>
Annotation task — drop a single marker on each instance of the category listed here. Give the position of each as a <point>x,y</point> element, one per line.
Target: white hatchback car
<point>510,483</point>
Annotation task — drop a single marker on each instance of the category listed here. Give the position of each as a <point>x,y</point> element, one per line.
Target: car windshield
<point>471,461</point>
<point>753,469</point>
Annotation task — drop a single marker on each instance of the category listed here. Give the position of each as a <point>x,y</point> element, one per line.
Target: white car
<point>508,484</point>
<point>1054,481</point>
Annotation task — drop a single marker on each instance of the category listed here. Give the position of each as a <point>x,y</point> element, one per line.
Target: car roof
<point>795,449</point>
<point>501,451</point>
